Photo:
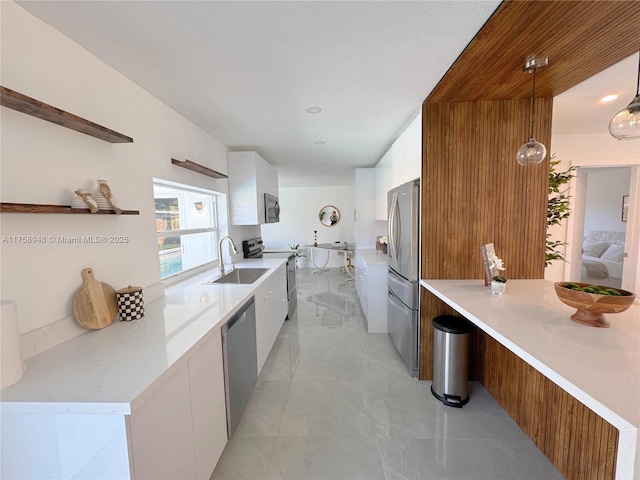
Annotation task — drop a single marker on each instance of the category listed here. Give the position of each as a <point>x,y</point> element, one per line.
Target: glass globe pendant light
<point>532,152</point>
<point>625,125</point>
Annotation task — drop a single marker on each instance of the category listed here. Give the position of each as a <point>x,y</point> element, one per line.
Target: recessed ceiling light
<point>609,98</point>
<point>320,142</point>
<point>314,109</point>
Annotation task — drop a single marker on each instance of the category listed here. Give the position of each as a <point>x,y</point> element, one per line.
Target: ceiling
<point>246,72</point>
<point>579,110</point>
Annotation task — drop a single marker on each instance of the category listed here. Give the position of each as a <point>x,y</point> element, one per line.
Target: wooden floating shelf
<point>196,167</point>
<point>36,108</point>
<point>64,209</point>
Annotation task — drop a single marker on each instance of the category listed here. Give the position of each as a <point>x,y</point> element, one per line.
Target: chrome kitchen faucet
<point>234,248</point>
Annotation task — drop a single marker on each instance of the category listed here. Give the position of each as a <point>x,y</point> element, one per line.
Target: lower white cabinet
<point>181,429</point>
<point>64,446</point>
<point>178,432</point>
<point>161,432</point>
<point>371,287</point>
<point>177,428</point>
<point>271,311</point>
<point>208,407</point>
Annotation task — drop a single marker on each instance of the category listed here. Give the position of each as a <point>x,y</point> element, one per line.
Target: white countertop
<point>114,369</point>
<point>371,256</point>
<point>600,367</point>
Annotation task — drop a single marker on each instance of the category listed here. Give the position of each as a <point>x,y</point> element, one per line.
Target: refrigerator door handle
<point>394,229</point>
<point>394,300</point>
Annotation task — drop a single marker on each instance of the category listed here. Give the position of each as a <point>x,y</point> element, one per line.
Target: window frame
<point>181,190</point>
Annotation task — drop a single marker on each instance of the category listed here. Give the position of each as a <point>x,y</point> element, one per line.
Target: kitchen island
<point>600,368</point>
<point>138,399</point>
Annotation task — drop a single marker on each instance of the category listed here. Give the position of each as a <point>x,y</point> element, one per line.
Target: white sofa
<point>603,258</point>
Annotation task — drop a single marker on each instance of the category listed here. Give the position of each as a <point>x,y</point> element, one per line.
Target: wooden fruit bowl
<point>592,306</point>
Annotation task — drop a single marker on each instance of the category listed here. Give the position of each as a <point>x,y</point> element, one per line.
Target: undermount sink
<point>240,276</point>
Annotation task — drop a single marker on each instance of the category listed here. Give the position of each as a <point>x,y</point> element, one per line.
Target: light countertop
<point>114,369</point>
<point>600,367</point>
<point>371,256</point>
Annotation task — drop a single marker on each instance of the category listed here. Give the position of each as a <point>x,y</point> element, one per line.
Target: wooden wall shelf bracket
<point>65,209</point>
<point>36,108</point>
<point>196,167</point>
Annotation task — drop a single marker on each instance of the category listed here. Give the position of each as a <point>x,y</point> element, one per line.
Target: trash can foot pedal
<point>450,400</point>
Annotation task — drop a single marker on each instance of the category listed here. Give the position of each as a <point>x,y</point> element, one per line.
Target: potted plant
<point>498,281</point>
<point>297,252</point>
<point>558,208</point>
<point>384,241</point>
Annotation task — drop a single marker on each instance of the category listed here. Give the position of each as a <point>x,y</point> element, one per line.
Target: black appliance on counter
<point>254,248</point>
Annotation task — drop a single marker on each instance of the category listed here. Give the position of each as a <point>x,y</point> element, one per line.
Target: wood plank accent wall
<point>580,38</point>
<point>474,192</point>
<point>578,442</point>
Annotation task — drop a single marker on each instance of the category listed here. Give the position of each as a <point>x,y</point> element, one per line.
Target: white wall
<point>605,188</point>
<point>43,163</point>
<point>299,218</point>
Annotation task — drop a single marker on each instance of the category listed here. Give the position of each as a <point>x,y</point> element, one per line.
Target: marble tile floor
<point>336,402</point>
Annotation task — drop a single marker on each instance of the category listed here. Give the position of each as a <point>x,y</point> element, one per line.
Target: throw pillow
<point>594,249</point>
<point>615,253</point>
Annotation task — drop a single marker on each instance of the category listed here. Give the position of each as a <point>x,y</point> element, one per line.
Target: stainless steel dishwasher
<point>240,362</point>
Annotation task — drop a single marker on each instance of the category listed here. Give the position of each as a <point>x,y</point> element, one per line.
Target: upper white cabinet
<point>383,182</point>
<point>250,177</point>
<point>401,163</point>
<point>407,164</point>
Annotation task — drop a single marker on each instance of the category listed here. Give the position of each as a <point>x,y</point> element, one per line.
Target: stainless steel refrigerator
<point>403,205</point>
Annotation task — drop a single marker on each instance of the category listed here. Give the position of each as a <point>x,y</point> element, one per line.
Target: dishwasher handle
<point>240,314</point>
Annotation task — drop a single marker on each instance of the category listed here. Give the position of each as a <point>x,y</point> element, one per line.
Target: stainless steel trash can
<point>450,360</point>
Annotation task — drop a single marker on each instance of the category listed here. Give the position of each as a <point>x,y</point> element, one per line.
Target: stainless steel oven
<point>271,208</point>
<point>292,285</point>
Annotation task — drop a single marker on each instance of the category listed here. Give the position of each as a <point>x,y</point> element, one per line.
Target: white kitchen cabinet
<point>146,400</point>
<point>402,163</point>
<point>371,287</point>
<point>208,408</point>
<point>161,431</point>
<point>63,446</point>
<point>366,227</point>
<point>407,163</point>
<point>383,182</point>
<point>271,310</point>
<point>250,177</point>
<point>361,281</point>
<point>180,431</point>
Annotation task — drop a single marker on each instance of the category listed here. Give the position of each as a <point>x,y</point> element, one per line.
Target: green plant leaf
<point>557,207</point>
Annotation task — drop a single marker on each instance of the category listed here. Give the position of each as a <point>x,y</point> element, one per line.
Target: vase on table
<point>384,248</point>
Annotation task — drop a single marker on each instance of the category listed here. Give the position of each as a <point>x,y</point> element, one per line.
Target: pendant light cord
<point>533,104</point>
<point>638,84</point>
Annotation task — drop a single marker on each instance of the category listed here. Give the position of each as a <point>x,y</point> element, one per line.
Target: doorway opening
<point>604,215</point>
<point>602,236</point>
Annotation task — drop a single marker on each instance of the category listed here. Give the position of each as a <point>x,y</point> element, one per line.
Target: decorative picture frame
<point>625,207</point>
<point>484,252</point>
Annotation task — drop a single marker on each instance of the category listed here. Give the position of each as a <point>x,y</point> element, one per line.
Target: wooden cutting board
<point>95,305</point>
